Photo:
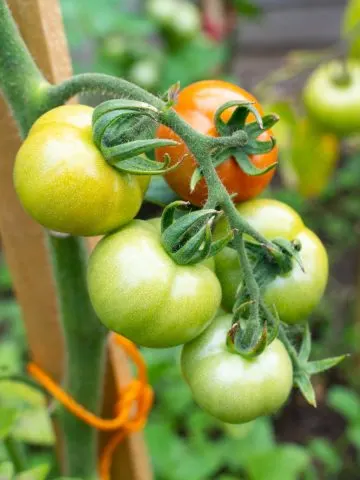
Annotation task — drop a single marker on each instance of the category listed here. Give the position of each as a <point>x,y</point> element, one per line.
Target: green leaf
<point>282,462</point>
<point>33,423</point>
<point>159,192</point>
<point>8,417</point>
<point>345,401</point>
<point>246,165</point>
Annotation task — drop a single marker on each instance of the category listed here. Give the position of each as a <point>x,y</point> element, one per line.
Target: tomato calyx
<point>188,238</point>
<point>122,131</point>
<point>304,368</point>
<point>239,139</point>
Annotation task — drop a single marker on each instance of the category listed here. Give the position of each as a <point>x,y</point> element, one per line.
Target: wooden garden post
<point>24,241</point>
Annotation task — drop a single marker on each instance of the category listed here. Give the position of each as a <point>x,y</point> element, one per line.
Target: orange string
<point>125,422</point>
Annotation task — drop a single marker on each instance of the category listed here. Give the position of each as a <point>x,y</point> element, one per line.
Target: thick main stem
<point>85,340</point>
<point>27,93</point>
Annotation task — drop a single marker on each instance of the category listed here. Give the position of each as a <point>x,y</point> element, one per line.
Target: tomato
<point>197,105</point>
<point>63,181</point>
<point>138,291</point>
<point>333,101</point>
<point>294,294</point>
<point>230,387</point>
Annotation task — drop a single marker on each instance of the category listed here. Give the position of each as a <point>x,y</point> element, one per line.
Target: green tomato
<point>294,294</point>
<point>64,182</point>
<point>137,290</point>
<point>230,387</point>
<point>332,100</point>
<point>180,18</point>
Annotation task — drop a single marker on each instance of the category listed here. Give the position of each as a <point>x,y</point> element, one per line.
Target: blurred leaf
<point>353,434</point>
<point>33,424</point>
<point>282,462</point>
<point>308,156</point>
<point>324,451</point>
<point>10,358</point>
<point>346,402</point>
<point>37,473</point>
<point>204,57</point>
<point>8,418</point>
<point>351,27</point>
<point>159,192</point>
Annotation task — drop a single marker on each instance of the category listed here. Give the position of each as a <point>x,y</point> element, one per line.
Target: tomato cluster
<point>136,287</point>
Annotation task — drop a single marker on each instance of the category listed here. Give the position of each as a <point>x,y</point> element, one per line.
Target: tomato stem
<point>29,95</point>
<point>85,341</point>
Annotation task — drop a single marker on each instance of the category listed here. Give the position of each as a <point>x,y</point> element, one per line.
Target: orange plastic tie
<point>125,422</point>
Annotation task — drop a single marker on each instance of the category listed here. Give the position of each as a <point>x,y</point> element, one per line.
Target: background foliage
<point>186,443</point>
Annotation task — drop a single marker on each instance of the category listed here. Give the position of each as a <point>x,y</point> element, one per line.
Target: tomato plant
<point>197,105</point>
<point>64,182</point>
<point>230,387</point>
<point>332,96</point>
<point>294,293</point>
<point>139,291</point>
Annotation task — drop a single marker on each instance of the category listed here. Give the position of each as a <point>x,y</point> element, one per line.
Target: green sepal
<point>130,149</point>
<point>302,381</point>
<point>318,366</point>
<point>288,252</point>
<point>123,104</point>
<point>251,340</point>
<point>254,130</point>
<point>144,166</point>
<point>305,347</point>
<point>237,119</point>
<point>195,179</point>
<point>196,248</point>
<point>247,166</point>
<point>118,126</point>
<point>168,215</point>
<point>259,147</point>
<point>175,235</point>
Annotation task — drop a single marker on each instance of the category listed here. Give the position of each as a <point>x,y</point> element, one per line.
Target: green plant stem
<point>28,95</point>
<point>20,80</point>
<point>16,453</point>
<point>85,340</point>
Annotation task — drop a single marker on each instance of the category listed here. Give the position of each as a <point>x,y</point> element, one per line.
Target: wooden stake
<point>24,241</point>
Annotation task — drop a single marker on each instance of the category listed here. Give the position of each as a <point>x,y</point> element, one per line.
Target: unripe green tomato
<point>144,73</point>
<point>138,291</point>
<point>230,387</point>
<point>294,294</point>
<point>63,181</point>
<point>332,100</point>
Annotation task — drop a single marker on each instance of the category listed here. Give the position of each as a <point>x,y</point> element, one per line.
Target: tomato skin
<point>63,181</point>
<point>295,294</point>
<point>332,105</point>
<point>230,387</point>
<point>197,105</point>
<point>138,291</point>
